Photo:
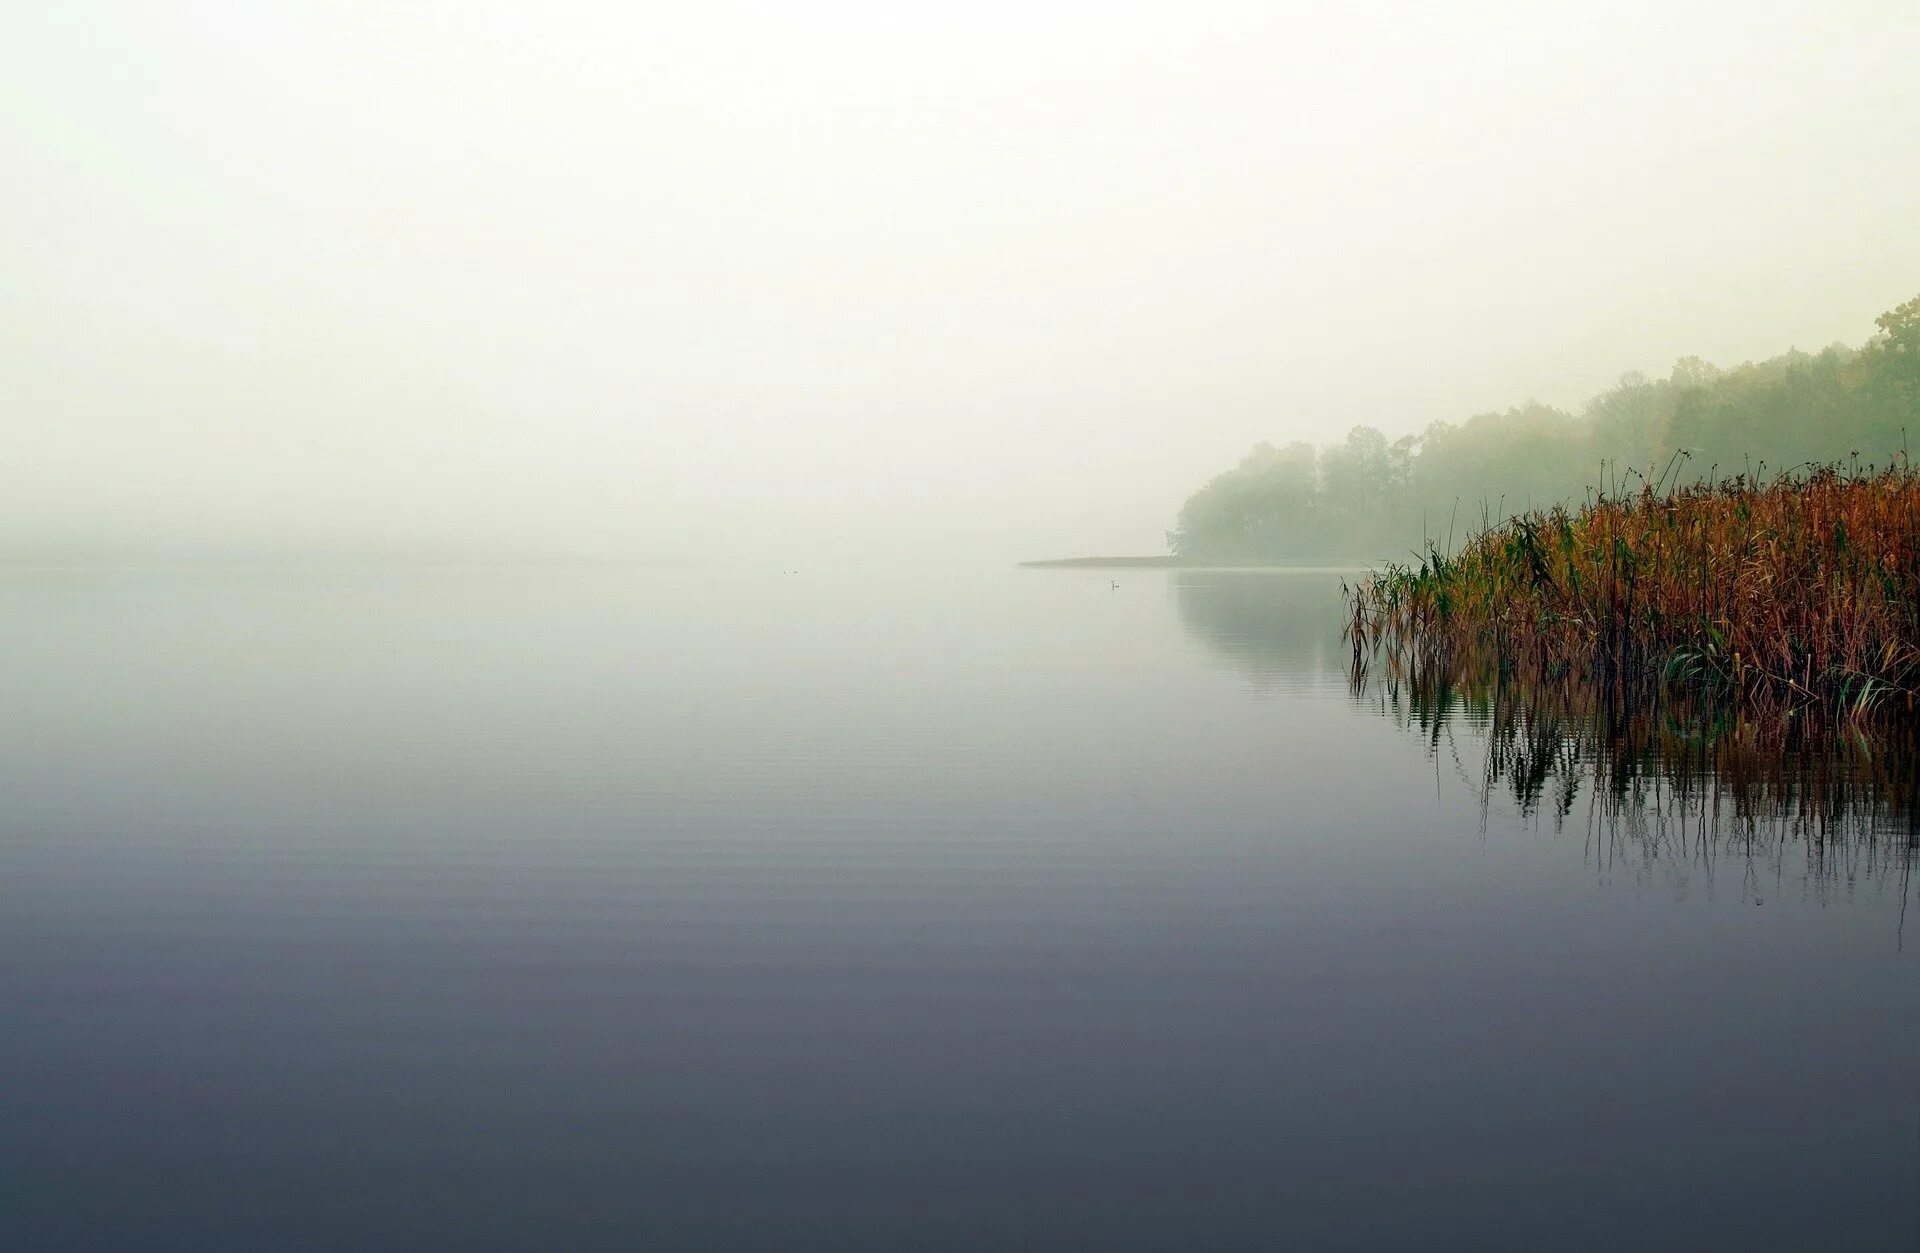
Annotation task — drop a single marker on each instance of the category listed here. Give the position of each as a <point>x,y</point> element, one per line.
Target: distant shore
<point>1190,563</point>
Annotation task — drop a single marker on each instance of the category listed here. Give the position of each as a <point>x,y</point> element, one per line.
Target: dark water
<point>553,909</point>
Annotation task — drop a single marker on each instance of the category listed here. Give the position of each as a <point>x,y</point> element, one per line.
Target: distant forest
<point>1369,495</point>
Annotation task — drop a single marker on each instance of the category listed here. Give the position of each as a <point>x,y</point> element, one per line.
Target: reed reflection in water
<point>1663,789</point>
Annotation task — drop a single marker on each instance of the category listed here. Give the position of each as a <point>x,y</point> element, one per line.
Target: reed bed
<point>1795,598</point>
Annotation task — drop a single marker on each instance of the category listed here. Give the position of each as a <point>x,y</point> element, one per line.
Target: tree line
<point>1369,495</point>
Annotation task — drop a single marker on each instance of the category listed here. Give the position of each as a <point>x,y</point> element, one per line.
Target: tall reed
<point>1796,597</point>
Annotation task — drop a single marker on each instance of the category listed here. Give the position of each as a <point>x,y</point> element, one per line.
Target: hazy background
<point>772,281</point>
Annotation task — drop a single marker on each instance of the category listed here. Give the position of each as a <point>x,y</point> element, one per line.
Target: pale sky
<point>770,282</point>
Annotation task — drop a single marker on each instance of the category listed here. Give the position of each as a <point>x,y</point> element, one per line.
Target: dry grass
<point>1796,598</point>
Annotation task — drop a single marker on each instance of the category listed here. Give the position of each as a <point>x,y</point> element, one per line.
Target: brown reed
<point>1793,598</point>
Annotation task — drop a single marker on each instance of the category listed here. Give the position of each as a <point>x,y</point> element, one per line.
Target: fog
<point>781,283</point>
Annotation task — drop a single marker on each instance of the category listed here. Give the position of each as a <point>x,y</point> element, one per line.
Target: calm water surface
<point>566,909</point>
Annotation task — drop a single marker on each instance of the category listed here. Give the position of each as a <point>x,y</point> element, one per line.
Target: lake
<point>548,908</point>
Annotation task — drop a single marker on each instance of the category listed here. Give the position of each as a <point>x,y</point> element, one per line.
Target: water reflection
<point>1666,794</point>
<point>1278,628</point>
<point>1663,789</point>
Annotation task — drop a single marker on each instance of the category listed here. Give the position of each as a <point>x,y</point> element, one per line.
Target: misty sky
<point>988,280</point>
